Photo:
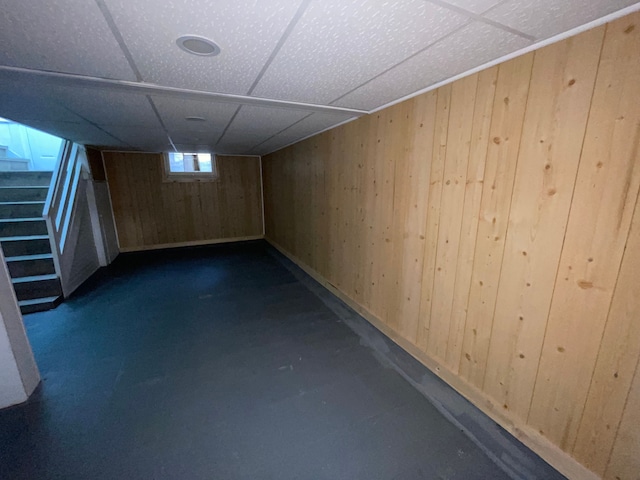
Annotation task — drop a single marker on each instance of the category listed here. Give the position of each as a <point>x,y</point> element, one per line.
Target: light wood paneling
<point>604,199</point>
<point>483,227</point>
<point>556,114</point>
<point>441,126</point>
<point>506,120</point>
<point>463,96</point>
<point>485,94</point>
<point>411,174</point>
<point>150,212</point>
<point>619,351</point>
<point>624,463</point>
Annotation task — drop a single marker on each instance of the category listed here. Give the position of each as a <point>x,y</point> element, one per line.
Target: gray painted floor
<point>219,363</point>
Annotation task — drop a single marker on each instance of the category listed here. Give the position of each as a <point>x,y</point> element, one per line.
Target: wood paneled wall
<point>152,213</point>
<point>491,227</point>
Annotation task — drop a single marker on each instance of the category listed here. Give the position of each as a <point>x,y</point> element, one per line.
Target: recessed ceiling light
<point>198,45</point>
<point>195,119</point>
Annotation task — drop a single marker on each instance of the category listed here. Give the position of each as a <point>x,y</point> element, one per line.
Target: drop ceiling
<point>109,73</point>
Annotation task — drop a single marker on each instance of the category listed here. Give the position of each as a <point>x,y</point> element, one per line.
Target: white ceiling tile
<point>132,135</point>
<point>474,45</point>
<point>23,107</point>
<point>238,145</point>
<point>186,136</point>
<point>544,18</point>
<point>253,125</point>
<point>23,101</point>
<point>83,133</point>
<point>192,147</point>
<point>475,6</point>
<point>194,137</point>
<point>246,31</point>
<point>107,107</point>
<point>174,111</point>
<point>315,123</point>
<point>339,45</point>
<point>72,37</point>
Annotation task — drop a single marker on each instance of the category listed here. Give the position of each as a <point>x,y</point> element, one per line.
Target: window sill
<point>189,177</point>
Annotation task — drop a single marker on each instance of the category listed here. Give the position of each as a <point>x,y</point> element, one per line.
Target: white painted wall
<point>91,239</point>
<point>18,371</point>
<point>40,148</point>
<point>79,260</point>
<point>105,216</point>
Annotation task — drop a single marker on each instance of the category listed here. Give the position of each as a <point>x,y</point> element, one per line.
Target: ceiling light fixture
<point>197,45</point>
<point>195,119</point>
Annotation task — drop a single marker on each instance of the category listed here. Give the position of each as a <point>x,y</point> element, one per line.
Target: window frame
<point>169,176</point>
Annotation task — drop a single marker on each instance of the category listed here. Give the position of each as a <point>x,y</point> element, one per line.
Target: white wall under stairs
<point>18,371</point>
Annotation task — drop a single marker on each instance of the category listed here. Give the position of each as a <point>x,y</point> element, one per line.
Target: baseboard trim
<point>195,243</point>
<point>548,451</point>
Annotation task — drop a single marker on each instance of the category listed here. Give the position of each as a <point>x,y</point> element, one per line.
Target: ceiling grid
<point>110,73</point>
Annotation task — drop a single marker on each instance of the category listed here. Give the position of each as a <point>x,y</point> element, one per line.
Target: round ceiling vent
<point>197,45</point>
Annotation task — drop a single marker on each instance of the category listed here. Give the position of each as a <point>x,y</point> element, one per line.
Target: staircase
<point>24,239</point>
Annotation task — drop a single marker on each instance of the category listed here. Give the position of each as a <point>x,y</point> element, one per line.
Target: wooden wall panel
<point>150,212</point>
<point>558,104</point>
<point>512,87</point>
<point>411,174</point>
<point>483,226</point>
<point>618,353</point>
<point>463,95</point>
<point>624,462</point>
<point>485,93</point>
<point>441,127</point>
<point>604,198</point>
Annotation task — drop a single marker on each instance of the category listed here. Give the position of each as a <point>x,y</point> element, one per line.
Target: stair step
<point>15,227</point>
<point>20,258</point>
<point>21,209</point>
<point>34,278</point>
<point>36,178</point>
<point>25,245</point>
<point>39,304</point>
<point>20,194</point>
<point>31,265</point>
<point>37,286</point>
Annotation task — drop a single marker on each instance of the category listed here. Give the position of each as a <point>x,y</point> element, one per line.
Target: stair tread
<point>13,187</point>
<point>23,202</point>
<point>36,301</point>
<point>23,237</point>
<point>41,256</point>
<point>21,172</point>
<point>31,219</point>
<point>35,278</point>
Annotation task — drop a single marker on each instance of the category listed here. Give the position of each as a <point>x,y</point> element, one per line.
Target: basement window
<point>188,167</point>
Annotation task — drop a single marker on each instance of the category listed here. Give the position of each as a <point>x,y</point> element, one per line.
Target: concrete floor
<point>219,363</point>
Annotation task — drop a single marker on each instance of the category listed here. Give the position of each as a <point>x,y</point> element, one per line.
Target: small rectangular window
<point>188,166</point>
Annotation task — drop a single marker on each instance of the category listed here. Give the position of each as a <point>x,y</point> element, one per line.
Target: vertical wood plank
<point>436,180</point>
<point>451,211</point>
<point>619,352</point>
<point>562,82</point>
<point>472,196</point>
<point>512,89</point>
<point>383,215</point>
<point>410,213</point>
<point>322,234</point>
<point>370,193</point>
<point>624,463</point>
<point>603,204</point>
<point>359,215</point>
